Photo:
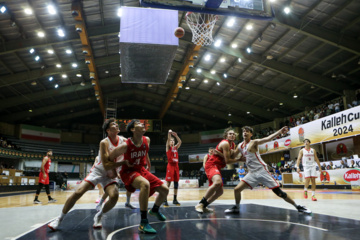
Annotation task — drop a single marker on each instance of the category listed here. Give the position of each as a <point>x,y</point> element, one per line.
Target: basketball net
<point>201,25</point>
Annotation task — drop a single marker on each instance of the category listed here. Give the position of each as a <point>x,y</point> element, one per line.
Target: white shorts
<point>252,179</point>
<point>310,172</point>
<point>97,176</point>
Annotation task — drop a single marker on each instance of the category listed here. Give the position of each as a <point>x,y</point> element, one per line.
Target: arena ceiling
<point>312,53</point>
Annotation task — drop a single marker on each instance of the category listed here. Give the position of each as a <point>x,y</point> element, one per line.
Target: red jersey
<point>218,160</point>
<point>47,166</point>
<point>136,155</point>
<point>172,156</point>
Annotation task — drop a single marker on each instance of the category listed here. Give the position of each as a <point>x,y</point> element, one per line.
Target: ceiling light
<point>68,51</point>
<point>82,83</point>
<point>198,70</point>
<point>32,51</point>
<point>41,34</point>
<point>231,89</point>
<point>269,57</point>
<point>187,88</point>
<point>37,58</point>
<point>50,51</point>
<point>225,75</point>
<point>333,75</point>
<point>239,60</point>
<point>64,76</point>
<point>61,32</point>
<point>295,96</point>
<point>58,65</point>
<point>119,12</point>
<point>30,110</point>
<point>248,49</point>
<point>28,11</point>
<point>207,57</point>
<point>281,104</point>
<point>272,0</point>
<point>51,78</point>
<point>97,93</point>
<point>149,85</point>
<point>3,9</point>
<point>106,71</point>
<point>33,83</point>
<point>222,59</point>
<point>217,43</point>
<point>51,9</point>
<point>56,85</point>
<point>249,26</point>
<point>234,45</point>
<point>218,83</point>
<point>93,82</point>
<point>78,75</point>
<point>229,114</point>
<point>193,79</point>
<point>231,22</point>
<point>206,81</point>
<point>120,75</point>
<point>287,10</point>
<point>74,65</point>
<point>247,112</point>
<point>212,71</point>
<point>312,86</point>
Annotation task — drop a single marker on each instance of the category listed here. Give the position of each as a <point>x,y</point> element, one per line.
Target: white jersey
<point>111,147</point>
<point>308,158</point>
<point>253,160</point>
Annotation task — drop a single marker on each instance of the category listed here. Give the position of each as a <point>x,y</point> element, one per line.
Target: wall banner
<point>342,176</point>
<point>275,146</point>
<point>335,126</point>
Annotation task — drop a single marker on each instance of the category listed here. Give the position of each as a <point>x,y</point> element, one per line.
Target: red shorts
<point>212,170</point>
<point>129,175</point>
<point>42,180</point>
<point>172,173</point>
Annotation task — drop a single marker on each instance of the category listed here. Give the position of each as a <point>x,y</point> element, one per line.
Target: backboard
<point>252,9</point>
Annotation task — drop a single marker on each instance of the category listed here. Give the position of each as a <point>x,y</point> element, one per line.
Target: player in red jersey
<point>44,178</point>
<point>172,170</point>
<point>213,166</point>
<point>135,150</point>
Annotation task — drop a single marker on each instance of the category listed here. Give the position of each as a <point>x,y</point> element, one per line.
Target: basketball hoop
<point>201,25</point>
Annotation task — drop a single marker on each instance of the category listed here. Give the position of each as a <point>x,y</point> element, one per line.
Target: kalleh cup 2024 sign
<point>335,126</point>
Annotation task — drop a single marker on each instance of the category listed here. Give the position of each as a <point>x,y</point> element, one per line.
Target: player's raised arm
<point>178,140</point>
<point>272,136</point>
<point>168,140</point>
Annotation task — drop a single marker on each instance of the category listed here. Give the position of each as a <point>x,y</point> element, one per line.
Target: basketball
<point>179,32</point>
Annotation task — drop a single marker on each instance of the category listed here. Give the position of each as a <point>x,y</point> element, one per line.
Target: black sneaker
<point>128,205</point>
<point>303,209</point>
<point>175,202</point>
<point>166,204</point>
<point>234,209</point>
<point>51,200</point>
<point>37,202</point>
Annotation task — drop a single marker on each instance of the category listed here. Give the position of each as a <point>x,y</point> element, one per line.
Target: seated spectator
<point>352,165</point>
<point>323,167</point>
<point>337,107</point>
<point>343,164</point>
<point>354,103</point>
<point>241,172</point>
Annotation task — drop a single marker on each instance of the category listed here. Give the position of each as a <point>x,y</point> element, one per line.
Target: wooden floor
<point>27,198</point>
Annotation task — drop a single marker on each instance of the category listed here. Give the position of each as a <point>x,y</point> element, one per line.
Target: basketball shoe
<point>305,195</point>
<point>159,215</point>
<point>175,202</point>
<point>51,200</point>
<point>128,205</point>
<point>234,209</point>
<point>303,209</point>
<point>166,204</point>
<point>145,227</point>
<point>54,224</point>
<point>199,208</point>
<point>37,202</point>
<point>313,198</point>
<point>97,220</point>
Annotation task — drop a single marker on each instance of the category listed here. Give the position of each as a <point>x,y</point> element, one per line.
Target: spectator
<point>352,165</point>
<point>343,164</point>
<point>323,167</point>
<point>241,173</point>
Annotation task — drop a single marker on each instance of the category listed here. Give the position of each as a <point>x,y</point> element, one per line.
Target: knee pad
<point>280,193</point>
<point>176,185</point>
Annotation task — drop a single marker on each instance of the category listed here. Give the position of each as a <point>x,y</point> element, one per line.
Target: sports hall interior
<point>64,69</point>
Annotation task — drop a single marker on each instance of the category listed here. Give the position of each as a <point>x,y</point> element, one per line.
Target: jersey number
<point>137,161</point>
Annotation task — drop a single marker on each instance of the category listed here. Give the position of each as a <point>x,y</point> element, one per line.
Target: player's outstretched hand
<point>174,134</point>
<point>298,170</point>
<point>284,130</point>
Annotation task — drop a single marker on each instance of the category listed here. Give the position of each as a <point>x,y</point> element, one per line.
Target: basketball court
<point>336,215</point>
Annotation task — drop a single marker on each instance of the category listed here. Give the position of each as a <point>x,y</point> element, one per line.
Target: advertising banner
<point>342,176</point>
<point>335,126</point>
<point>275,146</point>
<point>339,149</point>
<point>197,157</point>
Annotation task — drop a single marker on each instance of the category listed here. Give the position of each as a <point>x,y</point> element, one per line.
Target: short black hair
<point>131,125</point>
<point>250,129</point>
<point>307,140</point>
<point>107,123</point>
<point>49,150</point>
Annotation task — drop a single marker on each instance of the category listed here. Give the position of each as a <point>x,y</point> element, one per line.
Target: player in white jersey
<point>309,160</point>
<point>257,169</point>
<point>100,173</point>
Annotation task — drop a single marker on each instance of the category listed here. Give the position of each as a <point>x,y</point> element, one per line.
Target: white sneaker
<point>303,209</point>
<point>98,207</point>
<point>37,202</point>
<point>52,200</point>
<point>208,210</point>
<point>234,209</point>
<point>97,220</point>
<point>199,208</point>
<point>128,205</point>
<point>54,224</point>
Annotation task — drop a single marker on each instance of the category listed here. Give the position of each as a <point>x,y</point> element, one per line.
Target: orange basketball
<point>179,32</point>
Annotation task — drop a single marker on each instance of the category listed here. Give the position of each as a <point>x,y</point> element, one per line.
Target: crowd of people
<point>5,143</point>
